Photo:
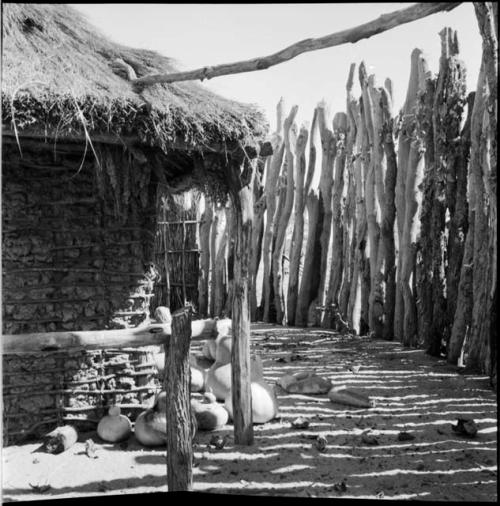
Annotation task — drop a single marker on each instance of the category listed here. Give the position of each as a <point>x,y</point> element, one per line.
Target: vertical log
<point>389,210</point>
<point>229,263</point>
<point>298,229</point>
<point>177,384</point>
<point>271,189</point>
<point>257,231</point>
<point>328,148</point>
<point>204,246</point>
<point>284,217</point>
<point>219,274</point>
<point>330,315</point>
<point>240,178</point>
<point>310,279</point>
<point>357,294</point>
<point>404,142</point>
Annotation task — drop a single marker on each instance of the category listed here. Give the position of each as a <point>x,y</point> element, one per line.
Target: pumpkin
<point>218,378</point>
<point>264,404</point>
<point>163,315</point>
<point>114,427</point>
<point>209,415</point>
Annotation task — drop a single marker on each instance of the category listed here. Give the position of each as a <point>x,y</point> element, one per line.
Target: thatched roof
<point>57,76</point>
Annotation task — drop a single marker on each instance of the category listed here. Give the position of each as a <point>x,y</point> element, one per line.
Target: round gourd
<point>264,404</point>
<point>114,426</point>
<point>209,349</point>
<point>209,415</point>
<point>218,378</point>
<point>163,315</point>
<point>197,379</point>
<point>223,346</point>
<point>146,429</point>
<point>223,327</point>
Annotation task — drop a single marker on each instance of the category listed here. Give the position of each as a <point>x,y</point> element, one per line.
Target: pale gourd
<point>114,427</point>
<point>147,427</point>
<point>209,415</point>
<point>163,315</point>
<point>264,404</point>
<point>198,375</point>
<point>223,326</point>
<point>223,346</point>
<point>219,377</point>
<point>209,348</point>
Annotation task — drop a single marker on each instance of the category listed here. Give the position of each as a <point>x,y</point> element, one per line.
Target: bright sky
<point>198,35</point>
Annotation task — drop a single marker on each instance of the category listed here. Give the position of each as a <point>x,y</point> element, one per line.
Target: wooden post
<point>271,189</point>
<point>328,146</point>
<point>204,234</point>
<point>240,176</point>
<point>348,215</point>
<point>298,229</point>
<point>389,210</point>
<point>337,230</point>
<point>284,216</point>
<point>257,233</point>
<point>176,385</point>
<point>407,125</point>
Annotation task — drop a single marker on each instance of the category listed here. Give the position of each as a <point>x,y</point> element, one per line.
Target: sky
<point>198,35</point>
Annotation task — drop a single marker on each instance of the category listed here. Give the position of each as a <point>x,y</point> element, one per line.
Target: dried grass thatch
<point>58,81</point>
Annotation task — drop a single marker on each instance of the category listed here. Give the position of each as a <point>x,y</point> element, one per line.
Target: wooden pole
<point>204,241</point>
<point>298,229</point>
<point>240,179</point>
<point>177,385</point>
<point>289,128</point>
<point>381,24</point>
<point>329,149</point>
<point>271,190</point>
<point>330,314</point>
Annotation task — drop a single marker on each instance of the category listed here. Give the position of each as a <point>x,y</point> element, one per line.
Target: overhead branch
<point>381,24</point>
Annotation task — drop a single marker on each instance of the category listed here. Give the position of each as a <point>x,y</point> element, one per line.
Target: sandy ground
<point>413,392</point>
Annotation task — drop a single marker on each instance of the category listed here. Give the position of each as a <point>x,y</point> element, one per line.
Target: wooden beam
<point>154,334</point>
<point>381,24</point>
<point>176,385</point>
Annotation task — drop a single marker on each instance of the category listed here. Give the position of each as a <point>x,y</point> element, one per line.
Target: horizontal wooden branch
<point>155,334</point>
<point>381,24</point>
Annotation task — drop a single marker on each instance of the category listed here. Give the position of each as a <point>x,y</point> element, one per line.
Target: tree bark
<point>271,190</point>
<point>218,277</point>
<point>284,217</point>
<point>204,235</point>
<point>240,179</point>
<point>298,229</point>
<point>177,387</point>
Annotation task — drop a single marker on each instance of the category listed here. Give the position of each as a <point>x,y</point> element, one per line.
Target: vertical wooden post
<point>176,384</point>
<point>289,129</point>
<point>204,245</point>
<point>271,190</point>
<point>298,228</point>
<point>240,176</point>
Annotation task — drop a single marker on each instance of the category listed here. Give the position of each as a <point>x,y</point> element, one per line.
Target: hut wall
<point>77,251</point>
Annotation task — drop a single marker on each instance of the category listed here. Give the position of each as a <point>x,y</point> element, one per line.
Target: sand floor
<point>414,393</point>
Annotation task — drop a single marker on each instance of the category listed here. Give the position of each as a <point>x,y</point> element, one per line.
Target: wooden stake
<point>204,246</point>
<point>176,385</point>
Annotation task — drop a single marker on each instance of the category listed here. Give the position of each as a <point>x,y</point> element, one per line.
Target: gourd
<point>223,327</point>
<point>198,375</point>
<point>163,315</point>
<point>209,349</point>
<point>209,415</point>
<point>151,425</point>
<point>223,346</point>
<point>219,377</point>
<point>114,426</point>
<point>264,404</point>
